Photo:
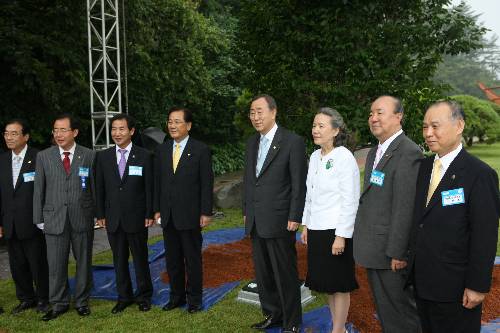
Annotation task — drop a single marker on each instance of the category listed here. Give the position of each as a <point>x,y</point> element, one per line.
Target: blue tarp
<point>105,282</point>
<point>318,321</point>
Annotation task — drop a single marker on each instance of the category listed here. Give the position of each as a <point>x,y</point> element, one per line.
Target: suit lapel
<point>253,154</point>
<point>185,156</point>
<point>169,157</point>
<point>130,161</point>
<point>383,161</point>
<point>27,161</point>
<point>77,160</point>
<point>447,181</point>
<point>58,159</point>
<point>272,152</point>
<point>370,159</point>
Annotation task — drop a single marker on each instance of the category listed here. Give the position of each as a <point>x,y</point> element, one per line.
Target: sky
<point>490,14</point>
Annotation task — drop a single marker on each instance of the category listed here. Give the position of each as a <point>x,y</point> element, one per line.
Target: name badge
<point>377,178</point>
<point>29,177</point>
<point>134,170</point>
<point>83,172</point>
<point>453,197</point>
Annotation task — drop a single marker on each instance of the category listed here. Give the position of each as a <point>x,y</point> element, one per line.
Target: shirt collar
<point>388,142</point>
<point>448,158</point>
<point>270,135</point>
<point>128,148</point>
<point>71,150</point>
<point>22,153</point>
<point>182,144</point>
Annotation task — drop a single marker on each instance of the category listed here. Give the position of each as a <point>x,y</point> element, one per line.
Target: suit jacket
<point>58,196</point>
<point>17,203</point>
<point>126,201</point>
<point>453,247</point>
<point>384,217</point>
<point>277,195</point>
<point>188,193</point>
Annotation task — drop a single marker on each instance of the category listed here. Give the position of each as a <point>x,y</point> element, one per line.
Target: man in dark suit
<point>124,191</point>
<point>183,199</point>
<point>455,227</point>
<point>273,203</point>
<point>384,217</point>
<point>25,242</point>
<point>63,201</point>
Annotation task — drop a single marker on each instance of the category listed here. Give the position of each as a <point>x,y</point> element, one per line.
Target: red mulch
<point>237,261</point>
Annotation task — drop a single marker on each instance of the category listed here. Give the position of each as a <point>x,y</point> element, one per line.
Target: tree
<point>346,53</point>
<point>481,119</point>
<point>176,56</point>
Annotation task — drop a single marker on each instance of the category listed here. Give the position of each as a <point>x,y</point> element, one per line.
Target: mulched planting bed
<point>233,262</point>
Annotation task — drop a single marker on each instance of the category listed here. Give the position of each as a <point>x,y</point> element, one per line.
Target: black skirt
<point>328,273</point>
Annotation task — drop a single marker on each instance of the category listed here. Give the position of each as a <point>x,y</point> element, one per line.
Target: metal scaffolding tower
<point>104,67</point>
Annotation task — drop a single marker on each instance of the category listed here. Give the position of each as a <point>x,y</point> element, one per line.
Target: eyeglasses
<point>11,134</point>
<point>176,122</point>
<point>61,130</point>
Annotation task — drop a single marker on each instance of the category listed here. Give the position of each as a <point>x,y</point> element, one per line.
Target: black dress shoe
<point>120,306</point>
<point>269,322</point>
<point>194,308</point>
<point>23,306</point>
<point>42,307</point>
<point>53,314</point>
<point>293,329</point>
<point>172,305</point>
<point>83,311</point>
<point>144,306</point>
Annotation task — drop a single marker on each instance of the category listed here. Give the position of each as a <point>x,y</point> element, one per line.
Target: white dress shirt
<point>119,155</point>
<point>332,192</point>
<point>386,145</point>
<point>15,172</point>
<point>71,153</point>
<point>447,159</point>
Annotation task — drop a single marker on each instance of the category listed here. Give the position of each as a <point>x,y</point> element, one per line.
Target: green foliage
<point>228,157</point>
<point>44,63</point>
<point>481,119</point>
<point>462,73</point>
<point>346,53</point>
<point>175,56</point>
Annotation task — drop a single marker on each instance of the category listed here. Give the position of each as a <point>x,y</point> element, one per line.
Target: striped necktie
<point>177,156</point>
<point>16,168</point>
<point>436,178</point>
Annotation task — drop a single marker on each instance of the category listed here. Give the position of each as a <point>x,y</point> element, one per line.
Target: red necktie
<point>66,162</point>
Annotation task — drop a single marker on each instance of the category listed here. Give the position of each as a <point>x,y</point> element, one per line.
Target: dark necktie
<point>66,162</point>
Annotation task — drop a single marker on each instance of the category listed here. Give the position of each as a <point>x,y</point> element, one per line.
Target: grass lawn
<point>226,316</point>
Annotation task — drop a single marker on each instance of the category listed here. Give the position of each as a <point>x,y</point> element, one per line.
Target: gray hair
<point>457,112</point>
<point>336,121</point>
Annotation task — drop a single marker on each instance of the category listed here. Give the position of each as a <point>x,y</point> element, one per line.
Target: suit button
<point>121,188</point>
<point>421,225</point>
<point>65,204</point>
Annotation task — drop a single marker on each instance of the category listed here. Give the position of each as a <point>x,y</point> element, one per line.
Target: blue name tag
<point>29,177</point>
<point>83,172</point>
<point>453,197</point>
<point>377,178</point>
<point>134,170</point>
